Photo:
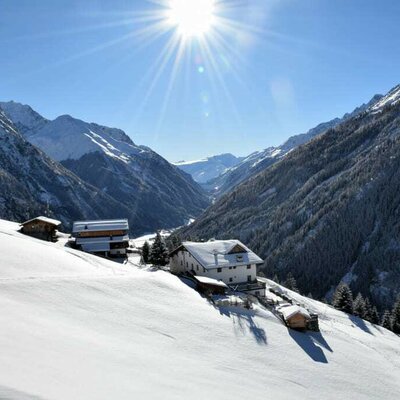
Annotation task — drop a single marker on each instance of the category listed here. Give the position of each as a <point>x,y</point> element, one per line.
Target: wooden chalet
<point>294,316</point>
<point>41,228</point>
<point>103,237</point>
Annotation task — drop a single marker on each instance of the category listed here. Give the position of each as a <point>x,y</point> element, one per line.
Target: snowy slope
<point>79,327</point>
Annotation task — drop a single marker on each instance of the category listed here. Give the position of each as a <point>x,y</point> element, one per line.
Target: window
<point>230,279</point>
<point>197,267</point>
<point>249,278</point>
<point>204,270</point>
<point>249,266</point>
<point>234,267</point>
<point>187,264</point>
<point>230,267</point>
<point>239,258</point>
<point>181,262</point>
<point>219,269</point>
<point>192,266</point>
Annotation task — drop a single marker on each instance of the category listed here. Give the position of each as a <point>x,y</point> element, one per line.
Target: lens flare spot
<point>192,18</point>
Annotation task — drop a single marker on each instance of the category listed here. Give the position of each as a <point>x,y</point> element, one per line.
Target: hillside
<point>260,160</point>
<point>75,326</point>
<point>327,211</point>
<point>32,183</point>
<point>156,193</point>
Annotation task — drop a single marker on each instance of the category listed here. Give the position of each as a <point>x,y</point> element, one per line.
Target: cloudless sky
<point>285,67</point>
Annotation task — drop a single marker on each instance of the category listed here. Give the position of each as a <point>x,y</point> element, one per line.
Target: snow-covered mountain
<point>390,99</point>
<point>209,168</point>
<point>76,326</point>
<point>258,161</point>
<point>31,183</point>
<point>158,194</point>
<point>326,212</point>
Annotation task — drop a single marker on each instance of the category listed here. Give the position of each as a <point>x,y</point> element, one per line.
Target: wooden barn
<point>41,228</point>
<point>210,286</point>
<point>295,317</point>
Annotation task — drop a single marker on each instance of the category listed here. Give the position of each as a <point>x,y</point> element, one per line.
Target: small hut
<point>295,317</point>
<point>41,228</point>
<point>207,285</point>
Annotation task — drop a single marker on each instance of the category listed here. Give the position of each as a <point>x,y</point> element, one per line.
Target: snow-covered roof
<point>210,281</point>
<point>44,219</point>
<point>100,225</point>
<point>218,253</point>
<point>289,311</point>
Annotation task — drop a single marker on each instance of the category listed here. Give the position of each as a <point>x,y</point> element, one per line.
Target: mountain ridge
<point>259,160</point>
<point>325,212</point>
<point>32,183</point>
<point>157,194</point>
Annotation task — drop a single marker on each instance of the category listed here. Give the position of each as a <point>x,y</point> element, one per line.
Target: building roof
<point>100,225</point>
<point>219,253</point>
<point>288,311</point>
<point>210,281</point>
<point>47,220</point>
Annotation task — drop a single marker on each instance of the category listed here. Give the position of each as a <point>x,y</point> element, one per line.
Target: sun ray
<point>175,68</point>
<point>210,58</point>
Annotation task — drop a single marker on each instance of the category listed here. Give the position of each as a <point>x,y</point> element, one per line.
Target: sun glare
<point>192,18</point>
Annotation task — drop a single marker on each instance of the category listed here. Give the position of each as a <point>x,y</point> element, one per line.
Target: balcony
<point>248,286</point>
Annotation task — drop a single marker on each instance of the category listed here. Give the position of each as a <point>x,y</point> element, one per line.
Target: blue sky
<point>286,66</point>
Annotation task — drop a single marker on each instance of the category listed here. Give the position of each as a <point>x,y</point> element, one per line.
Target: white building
<point>108,237</point>
<point>227,260</point>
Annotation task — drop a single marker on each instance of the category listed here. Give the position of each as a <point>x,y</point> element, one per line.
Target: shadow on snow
<point>243,321</point>
<point>311,343</point>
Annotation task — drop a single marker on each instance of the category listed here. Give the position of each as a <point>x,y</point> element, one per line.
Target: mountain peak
<point>391,98</point>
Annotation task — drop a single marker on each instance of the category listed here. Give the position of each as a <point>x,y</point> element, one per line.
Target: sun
<point>191,18</point>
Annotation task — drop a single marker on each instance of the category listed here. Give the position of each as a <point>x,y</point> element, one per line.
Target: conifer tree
<point>343,298</point>
<point>387,320</point>
<point>359,306</point>
<point>374,315</point>
<point>396,317</point>
<point>291,283</point>
<point>368,310</point>
<point>146,252</point>
<point>158,253</point>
